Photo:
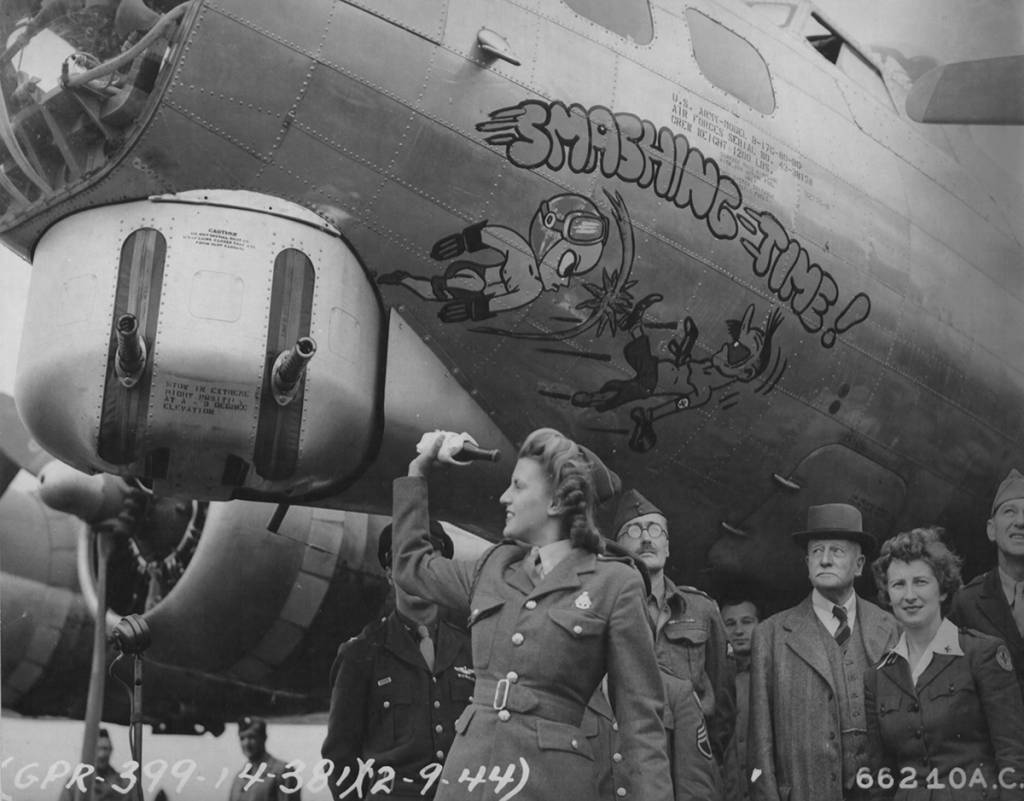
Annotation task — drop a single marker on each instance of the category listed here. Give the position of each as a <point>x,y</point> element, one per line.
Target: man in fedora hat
<point>397,689</point>
<point>692,646</point>
<point>993,602</point>
<point>807,726</point>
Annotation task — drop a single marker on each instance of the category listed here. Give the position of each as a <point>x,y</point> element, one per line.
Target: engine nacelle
<point>221,343</point>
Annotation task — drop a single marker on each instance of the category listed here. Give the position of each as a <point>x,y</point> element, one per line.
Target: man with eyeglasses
<point>808,730</point>
<point>691,645</point>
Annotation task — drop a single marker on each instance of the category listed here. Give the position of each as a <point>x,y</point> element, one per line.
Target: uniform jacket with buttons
<point>387,705</point>
<point>982,605</point>
<point>965,712</point>
<point>795,733</point>
<point>693,645</point>
<point>602,731</point>
<point>539,652</point>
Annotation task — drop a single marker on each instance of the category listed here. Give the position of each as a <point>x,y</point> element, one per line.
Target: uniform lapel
<point>935,669</point>
<point>877,631</point>
<point>992,604</point>
<point>895,671</point>
<point>566,575</point>
<point>804,639</point>
<point>401,643</point>
<point>447,647</point>
<point>517,574</point>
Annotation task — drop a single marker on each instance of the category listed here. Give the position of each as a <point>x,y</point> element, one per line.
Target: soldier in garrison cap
<point>397,690</point>
<point>692,648</point>
<point>808,737</point>
<point>994,601</point>
<point>263,778</point>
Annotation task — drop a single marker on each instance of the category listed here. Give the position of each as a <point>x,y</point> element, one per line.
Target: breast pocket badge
<point>583,601</point>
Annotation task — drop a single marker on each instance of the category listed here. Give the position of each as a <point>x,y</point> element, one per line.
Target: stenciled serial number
<point>365,781</point>
<point>906,778</point>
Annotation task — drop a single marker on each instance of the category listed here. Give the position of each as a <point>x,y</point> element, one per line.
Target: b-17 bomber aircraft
<point>724,244</point>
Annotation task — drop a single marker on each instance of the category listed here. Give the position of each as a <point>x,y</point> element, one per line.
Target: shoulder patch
<point>1003,658</point>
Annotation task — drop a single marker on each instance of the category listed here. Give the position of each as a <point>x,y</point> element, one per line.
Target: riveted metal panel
<point>374,51</point>
<point>425,17</point>
<point>361,120</point>
<point>302,26</point>
<point>214,84</point>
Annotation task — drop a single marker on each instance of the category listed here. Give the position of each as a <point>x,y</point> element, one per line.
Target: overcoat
<point>982,605</point>
<point>795,734</point>
<point>966,713</point>
<point>388,706</point>
<point>539,652</point>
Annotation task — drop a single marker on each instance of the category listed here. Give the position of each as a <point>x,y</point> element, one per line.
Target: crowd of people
<point>565,665</point>
<point>609,681</point>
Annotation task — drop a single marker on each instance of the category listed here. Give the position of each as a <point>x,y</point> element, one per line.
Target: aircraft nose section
<point>90,498</point>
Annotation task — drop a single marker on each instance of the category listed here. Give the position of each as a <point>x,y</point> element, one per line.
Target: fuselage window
<point>628,18</point>
<point>730,62</point>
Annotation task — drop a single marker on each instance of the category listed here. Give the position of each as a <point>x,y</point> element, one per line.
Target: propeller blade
<point>8,470</point>
<point>983,92</point>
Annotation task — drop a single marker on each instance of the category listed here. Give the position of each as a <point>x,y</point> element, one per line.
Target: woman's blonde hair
<point>572,483</point>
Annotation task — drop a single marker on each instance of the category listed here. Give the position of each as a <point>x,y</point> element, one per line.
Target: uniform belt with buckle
<point>499,694</point>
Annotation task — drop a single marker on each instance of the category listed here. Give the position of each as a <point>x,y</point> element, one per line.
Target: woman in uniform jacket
<point>945,717</point>
<point>549,615</point>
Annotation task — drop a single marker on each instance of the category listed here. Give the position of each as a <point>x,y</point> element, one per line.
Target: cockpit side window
<point>730,62</point>
<point>837,49</point>
<point>630,19</point>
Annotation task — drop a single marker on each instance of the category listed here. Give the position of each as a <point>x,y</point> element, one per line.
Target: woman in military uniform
<point>550,614</point>
<point>945,716</point>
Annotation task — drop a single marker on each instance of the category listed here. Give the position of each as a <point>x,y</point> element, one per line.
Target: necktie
<point>1018,606</point>
<point>843,632</point>
<point>537,563</point>
<point>426,646</point>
